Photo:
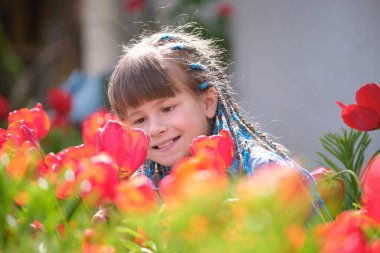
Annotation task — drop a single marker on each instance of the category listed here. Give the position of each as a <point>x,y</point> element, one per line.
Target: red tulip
<point>371,188</point>
<point>22,198</point>
<point>220,144</point>
<point>56,162</point>
<point>128,147</point>
<point>97,179</point>
<point>13,138</point>
<point>60,100</point>
<point>225,10</point>
<point>27,161</point>
<point>331,188</point>
<point>346,234</point>
<point>37,226</point>
<point>23,131</point>
<point>191,178</point>
<point>201,174</point>
<point>78,152</point>
<point>365,115</point>
<point>136,195</point>
<point>4,108</point>
<point>277,187</point>
<point>37,117</point>
<point>62,168</point>
<point>91,125</point>
<point>133,5</point>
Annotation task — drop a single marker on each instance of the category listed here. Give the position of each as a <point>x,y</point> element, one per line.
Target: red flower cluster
<point>365,115</point>
<point>91,170</point>
<point>94,171</point>
<point>111,151</point>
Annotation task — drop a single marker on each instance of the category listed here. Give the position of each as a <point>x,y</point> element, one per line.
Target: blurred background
<point>292,59</point>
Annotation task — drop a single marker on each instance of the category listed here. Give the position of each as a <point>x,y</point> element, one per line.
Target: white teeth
<point>165,144</point>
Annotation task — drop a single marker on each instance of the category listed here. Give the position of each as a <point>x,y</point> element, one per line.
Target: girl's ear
<point>210,100</point>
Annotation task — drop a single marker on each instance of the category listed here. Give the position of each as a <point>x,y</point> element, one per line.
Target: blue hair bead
<point>197,66</point>
<point>203,86</point>
<point>178,47</point>
<point>165,37</point>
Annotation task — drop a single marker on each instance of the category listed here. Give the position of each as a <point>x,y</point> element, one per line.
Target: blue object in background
<point>87,93</point>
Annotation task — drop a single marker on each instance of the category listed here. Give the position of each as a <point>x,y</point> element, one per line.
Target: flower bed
<point>84,198</point>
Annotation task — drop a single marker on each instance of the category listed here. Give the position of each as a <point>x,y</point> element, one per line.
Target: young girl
<point>174,86</point>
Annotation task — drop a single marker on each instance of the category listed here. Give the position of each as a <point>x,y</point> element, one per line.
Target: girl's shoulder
<point>259,157</point>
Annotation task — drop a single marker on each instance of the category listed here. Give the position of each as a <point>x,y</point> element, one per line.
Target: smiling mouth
<point>166,144</point>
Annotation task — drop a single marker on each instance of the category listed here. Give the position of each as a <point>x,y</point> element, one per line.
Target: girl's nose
<point>156,127</point>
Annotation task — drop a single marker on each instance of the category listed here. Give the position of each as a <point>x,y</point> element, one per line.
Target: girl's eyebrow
<point>156,103</point>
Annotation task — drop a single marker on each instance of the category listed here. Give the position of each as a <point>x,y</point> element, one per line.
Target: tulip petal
<point>371,187</point>
<point>369,96</point>
<point>127,147</point>
<point>97,179</point>
<point>360,117</point>
<point>222,144</point>
<point>136,195</point>
<point>91,125</point>
<point>36,116</point>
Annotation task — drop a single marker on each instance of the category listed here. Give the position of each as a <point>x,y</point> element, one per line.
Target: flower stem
<point>354,176</point>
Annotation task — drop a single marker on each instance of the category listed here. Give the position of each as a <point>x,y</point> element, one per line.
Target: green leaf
<point>131,245</point>
<point>129,231</point>
<point>348,148</point>
<point>329,163</point>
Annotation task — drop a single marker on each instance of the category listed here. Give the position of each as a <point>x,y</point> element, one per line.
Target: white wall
<point>295,58</point>
<point>100,35</point>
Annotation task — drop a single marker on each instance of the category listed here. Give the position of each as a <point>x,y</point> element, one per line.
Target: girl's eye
<point>139,121</point>
<point>168,108</point>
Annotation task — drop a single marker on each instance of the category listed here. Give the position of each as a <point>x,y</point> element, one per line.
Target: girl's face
<point>172,123</point>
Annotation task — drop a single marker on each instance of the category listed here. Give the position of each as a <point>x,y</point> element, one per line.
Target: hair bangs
<point>144,80</point>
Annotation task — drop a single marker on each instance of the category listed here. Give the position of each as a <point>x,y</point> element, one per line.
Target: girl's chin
<point>171,161</point>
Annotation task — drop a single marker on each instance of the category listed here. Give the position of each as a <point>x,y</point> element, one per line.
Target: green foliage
<point>348,148</point>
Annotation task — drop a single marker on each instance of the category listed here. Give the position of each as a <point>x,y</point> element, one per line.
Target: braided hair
<point>143,74</point>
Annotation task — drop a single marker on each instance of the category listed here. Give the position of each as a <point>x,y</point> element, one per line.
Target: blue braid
<point>245,137</point>
<point>316,195</point>
<point>197,66</point>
